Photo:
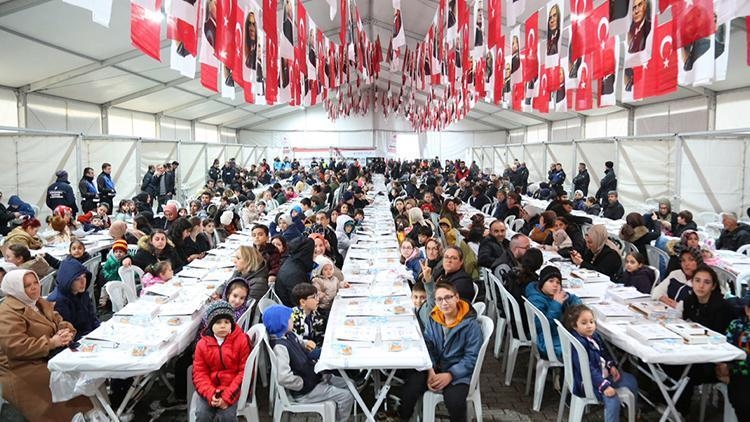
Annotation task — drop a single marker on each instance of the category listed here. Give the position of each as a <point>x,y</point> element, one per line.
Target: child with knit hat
<point>295,369</point>
<point>111,268</point>
<point>327,283</point>
<point>219,365</point>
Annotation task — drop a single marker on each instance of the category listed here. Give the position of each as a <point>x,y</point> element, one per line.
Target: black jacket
<point>491,252</point>
<point>5,218</point>
<point>61,193</point>
<point>679,229</point>
<point>146,181</point>
<point>734,239</point>
<point>608,183</point>
<point>461,280</point>
<point>613,211</point>
<point>295,269</point>
<point>89,197</point>
<point>214,173</point>
<point>581,182</point>
<point>716,314</point>
<point>608,262</point>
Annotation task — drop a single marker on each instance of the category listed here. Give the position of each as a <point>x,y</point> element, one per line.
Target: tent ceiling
<point>54,48</point>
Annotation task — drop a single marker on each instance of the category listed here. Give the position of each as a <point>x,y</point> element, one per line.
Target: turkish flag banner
<point>224,47</point>
<point>182,25</point>
<point>659,75</point>
<point>693,19</point>
<point>209,63</point>
<point>343,15</point>
<point>494,22</point>
<point>531,62</point>
<point>584,97</point>
<point>270,27</point>
<point>145,29</point>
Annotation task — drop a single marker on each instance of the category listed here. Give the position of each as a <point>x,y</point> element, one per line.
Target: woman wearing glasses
<point>453,337</point>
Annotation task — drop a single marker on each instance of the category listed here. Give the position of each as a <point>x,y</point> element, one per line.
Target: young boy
<point>219,365</point>
<point>296,370</point>
<point>418,296</point>
<point>115,260</point>
<point>307,322</point>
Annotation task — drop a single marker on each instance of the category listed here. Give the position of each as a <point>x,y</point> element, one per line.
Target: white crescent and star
<point>667,40</point>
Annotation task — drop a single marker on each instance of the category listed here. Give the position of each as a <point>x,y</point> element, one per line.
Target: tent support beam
<point>148,91</point>
<point>13,6</point>
<point>21,107</point>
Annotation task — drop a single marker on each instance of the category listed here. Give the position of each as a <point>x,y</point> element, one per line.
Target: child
<point>604,373</point>
<point>236,294</point>
<point>110,269</point>
<point>296,369</point>
<point>591,207</point>
<point>327,283</point>
<point>418,296</point>
<point>307,322</point>
<point>61,231</point>
<point>219,365</point>
<point>78,251</point>
<point>737,373</point>
<point>157,273</point>
<point>359,216</point>
<point>636,274</point>
<point>208,228</point>
<point>411,257</point>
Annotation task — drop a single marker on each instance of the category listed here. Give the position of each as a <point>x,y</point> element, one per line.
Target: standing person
<point>106,186</point>
<point>215,171</point>
<point>61,193</point>
<point>608,183</point>
<point>165,187</point>
<point>148,177</point>
<point>582,179</point>
<point>87,189</point>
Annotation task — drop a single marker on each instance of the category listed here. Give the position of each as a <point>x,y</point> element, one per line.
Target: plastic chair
<point>480,307</point>
<point>708,217</point>
<point>533,314</point>
<point>657,258</point>
<point>119,294</point>
<point>244,320</point>
<point>729,415</point>
<point>657,276</point>
<point>489,293</point>
<point>517,224</point>
<point>501,319</point>
<point>627,248</point>
<point>127,275</point>
<point>744,249</point>
<point>578,404</point>
<point>132,250</point>
<point>430,400</point>
<point>283,403</point>
<point>476,292</point>
<point>48,282</point>
<point>509,220</point>
<point>514,344</point>
<point>727,281</point>
<point>93,265</point>
<point>486,208</point>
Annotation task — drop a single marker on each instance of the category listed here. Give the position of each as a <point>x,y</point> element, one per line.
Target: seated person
<point>309,323</point>
<point>296,369</point>
<point>20,256</point>
<point>453,337</point>
<point>71,298</point>
<point>734,234</point>
<point>601,254</point>
<point>637,274</point>
<point>613,209</point>
<point>548,296</point>
<point>736,372</point>
<point>677,285</point>
<point>326,281</point>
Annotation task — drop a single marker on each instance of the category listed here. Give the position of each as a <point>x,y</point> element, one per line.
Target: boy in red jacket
<point>219,365</point>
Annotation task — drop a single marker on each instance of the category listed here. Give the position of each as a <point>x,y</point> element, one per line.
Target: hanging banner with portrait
<point>554,33</point>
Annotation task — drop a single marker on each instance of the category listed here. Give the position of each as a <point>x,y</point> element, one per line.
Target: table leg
<point>138,383</point>
<point>103,400</point>
<point>383,393</point>
<point>357,396</point>
<point>671,401</point>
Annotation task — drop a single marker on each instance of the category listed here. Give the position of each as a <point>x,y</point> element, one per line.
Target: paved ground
<point>499,402</point>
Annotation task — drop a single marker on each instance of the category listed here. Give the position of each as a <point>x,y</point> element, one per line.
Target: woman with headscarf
<point>688,239</point>
<point>635,231</point>
<point>663,220</point>
<point>119,230</point>
<point>416,221</point>
<point>601,254</point>
<point>31,332</point>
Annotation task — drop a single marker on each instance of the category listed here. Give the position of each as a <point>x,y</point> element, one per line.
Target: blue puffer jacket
<point>457,350</point>
<point>552,310</point>
<point>414,263</point>
<point>596,352</point>
<point>17,204</point>
<point>76,309</point>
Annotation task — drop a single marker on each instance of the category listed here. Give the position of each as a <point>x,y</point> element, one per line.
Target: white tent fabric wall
<point>562,153</point>
<point>645,169</point>
<point>121,153</point>
<point>192,168</point>
<point>534,155</point>
<point>594,154</point>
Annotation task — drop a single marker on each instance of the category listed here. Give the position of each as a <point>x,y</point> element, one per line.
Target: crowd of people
<point>300,256</point>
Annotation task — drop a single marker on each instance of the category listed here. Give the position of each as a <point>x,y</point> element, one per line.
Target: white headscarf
<point>13,286</point>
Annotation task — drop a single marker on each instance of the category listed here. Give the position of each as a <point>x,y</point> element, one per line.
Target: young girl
<point>605,376</point>
<point>219,364</point>
<point>208,228</point>
<point>236,294</point>
<point>344,232</point>
<point>158,273</point>
<point>411,257</point>
<point>78,251</point>
<point>327,283</point>
<point>636,274</point>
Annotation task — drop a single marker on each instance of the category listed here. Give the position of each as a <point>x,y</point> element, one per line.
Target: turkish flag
<point>145,28</point>
<point>343,15</point>
<point>497,72</point>
<point>581,7</point>
<point>479,69</point>
<point>659,75</point>
<point>531,61</point>
<point>494,22</point>
<point>584,97</point>
<point>301,47</point>
<point>182,25</point>
<point>693,20</point>
<point>463,32</point>
<point>541,101</point>
<point>270,27</point>
<point>518,94</point>
<point>224,48</point>
<point>589,32</point>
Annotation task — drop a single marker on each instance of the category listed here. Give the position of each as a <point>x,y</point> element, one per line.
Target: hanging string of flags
<point>282,57</point>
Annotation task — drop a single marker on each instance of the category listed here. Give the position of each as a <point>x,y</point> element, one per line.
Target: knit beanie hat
<point>276,320</point>
<point>322,261</point>
<point>217,310</point>
<point>547,273</point>
<point>226,217</point>
<point>120,245</point>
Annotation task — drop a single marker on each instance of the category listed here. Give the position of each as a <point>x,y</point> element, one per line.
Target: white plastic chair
<point>93,265</point>
<point>127,275</point>
<point>283,403</point>
<point>47,282</point>
<point>480,307</point>
<point>657,275</point>
<point>486,208</point>
<point>476,292</point>
<point>489,293</point>
<point>578,404</point>
<point>727,281</point>
<point>542,365</point>
<point>517,224</point>
<point>513,311</point>
<point>708,217</point>
<point>430,400</point>
<point>501,317</point>
<point>509,220</point>
<point>744,249</point>
<point>657,258</point>
<point>119,294</point>
<point>729,415</point>
<point>627,248</point>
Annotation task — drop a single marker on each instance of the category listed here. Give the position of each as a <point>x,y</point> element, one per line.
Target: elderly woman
<point>416,221</point>
<point>453,337</point>
<point>600,255</point>
<point>635,231</point>
<point>25,234</point>
<point>30,333</point>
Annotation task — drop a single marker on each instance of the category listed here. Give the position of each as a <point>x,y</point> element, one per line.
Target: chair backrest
<point>480,307</point>
<point>708,217</point>
<point>476,292</point>
<point>127,275</point>
<point>568,342</point>
<point>47,282</point>
<point>517,224</point>
<point>244,321</point>
<point>744,249</point>
<point>657,275</point>
<point>280,390</point>
<point>117,291</point>
<point>533,314</point>
<point>487,327</point>
<point>93,265</point>
<point>509,220</point>
<point>657,258</point>
<point>258,337</point>
<point>486,208</point>
<point>132,250</point>
<point>627,248</point>
<point>510,307</point>
<point>489,288</point>
<point>727,280</point>
<point>266,303</point>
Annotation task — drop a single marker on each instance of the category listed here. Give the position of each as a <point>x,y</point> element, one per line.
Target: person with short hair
<point>613,209</point>
<point>61,193</point>
<point>684,222</point>
<point>106,186</point>
<point>734,234</point>
<point>608,183</point>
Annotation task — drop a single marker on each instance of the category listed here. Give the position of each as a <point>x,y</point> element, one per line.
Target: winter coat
<point>608,183</point>
<point>295,269</point>
<point>24,352</point>
<point>738,335</point>
<point>734,239</point>
<point>455,349</point>
<point>89,194</point>
<point>641,238</point>
<point>491,252</point>
<point>460,279</point>
<point>292,231</point>
<point>675,286</point>
<point>595,209</point>
<point>613,211</point>
<point>77,309</point>
<point>597,354</point>
<point>111,268</point>
<point>296,369</point>
<point>679,228</point>
<point>221,367</point>
<point>272,257</point>
<point>342,238</point>
<point>552,309</point>
<point>414,263</point>
<point>257,282</point>
<point>19,236</point>
<point>607,262</point>
<point>716,314</point>
<point>642,279</point>
<point>310,327</point>
<point>61,193</point>
<point>581,182</point>
<point>542,236</point>
<point>327,289</point>
<point>143,258</point>
<point>15,204</point>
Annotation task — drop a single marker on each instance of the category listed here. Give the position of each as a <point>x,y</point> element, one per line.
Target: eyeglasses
<point>445,299</point>
<point>450,258</point>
